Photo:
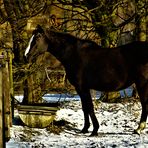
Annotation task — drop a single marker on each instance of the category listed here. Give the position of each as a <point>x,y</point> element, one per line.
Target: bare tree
<point>102,21</point>
<point>17,14</point>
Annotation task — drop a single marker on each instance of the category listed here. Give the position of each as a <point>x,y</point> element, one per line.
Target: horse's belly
<point>108,83</point>
<point>105,86</point>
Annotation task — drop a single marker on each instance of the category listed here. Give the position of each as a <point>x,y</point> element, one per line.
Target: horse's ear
<point>39,29</point>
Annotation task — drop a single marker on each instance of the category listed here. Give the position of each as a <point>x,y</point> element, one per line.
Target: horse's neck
<point>61,50</point>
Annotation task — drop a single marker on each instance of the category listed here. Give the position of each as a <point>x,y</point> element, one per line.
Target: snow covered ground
<point>117,122</point>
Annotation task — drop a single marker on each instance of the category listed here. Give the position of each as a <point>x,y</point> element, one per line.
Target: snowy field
<point>117,122</point>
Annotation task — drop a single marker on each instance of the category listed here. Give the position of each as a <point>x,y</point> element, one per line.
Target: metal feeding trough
<point>38,115</point>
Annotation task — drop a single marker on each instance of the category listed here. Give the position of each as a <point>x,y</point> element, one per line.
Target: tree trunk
<point>141,30</point>
<point>17,26</point>
<point>18,44</point>
<point>35,82</point>
<point>32,90</point>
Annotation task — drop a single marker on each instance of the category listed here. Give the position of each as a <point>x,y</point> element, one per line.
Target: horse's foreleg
<point>143,93</point>
<point>88,110</point>
<point>85,111</point>
<point>94,119</point>
<point>86,122</point>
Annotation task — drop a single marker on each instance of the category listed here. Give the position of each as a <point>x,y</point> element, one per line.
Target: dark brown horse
<point>89,66</point>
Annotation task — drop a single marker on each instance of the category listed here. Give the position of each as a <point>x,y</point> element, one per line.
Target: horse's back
<point>136,52</point>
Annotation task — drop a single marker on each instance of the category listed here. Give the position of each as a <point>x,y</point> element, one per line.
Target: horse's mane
<point>71,38</point>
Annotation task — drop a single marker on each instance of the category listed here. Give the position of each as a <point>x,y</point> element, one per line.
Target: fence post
<point>2,133</point>
<point>10,57</point>
<point>6,96</point>
<point>5,103</point>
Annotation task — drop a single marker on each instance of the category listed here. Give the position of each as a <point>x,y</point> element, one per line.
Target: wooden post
<point>2,133</point>
<point>5,111</point>
<point>10,57</point>
<point>6,95</point>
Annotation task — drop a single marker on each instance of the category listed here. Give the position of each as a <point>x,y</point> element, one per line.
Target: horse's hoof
<point>93,134</point>
<point>140,128</point>
<point>137,132</point>
<point>84,131</point>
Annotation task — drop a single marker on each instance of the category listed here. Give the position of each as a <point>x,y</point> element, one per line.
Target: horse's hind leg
<point>143,93</point>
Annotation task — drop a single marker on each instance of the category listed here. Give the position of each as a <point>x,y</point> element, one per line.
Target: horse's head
<point>37,44</point>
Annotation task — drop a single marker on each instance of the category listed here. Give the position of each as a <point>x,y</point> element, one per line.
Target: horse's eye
<point>38,35</point>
